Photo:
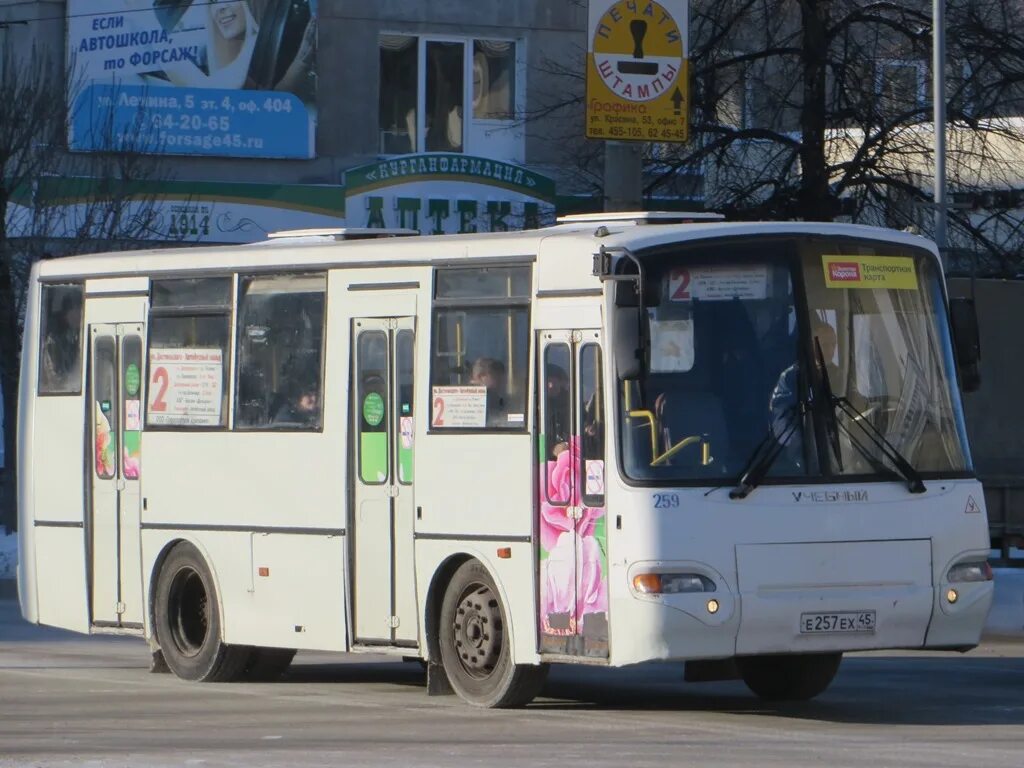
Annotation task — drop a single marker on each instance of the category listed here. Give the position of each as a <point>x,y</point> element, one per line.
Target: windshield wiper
<point>764,456</point>
<point>915,484</point>
<point>828,405</point>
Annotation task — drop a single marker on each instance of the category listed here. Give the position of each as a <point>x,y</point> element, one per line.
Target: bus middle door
<point>384,580</point>
<point>115,427</point>
<point>573,531</point>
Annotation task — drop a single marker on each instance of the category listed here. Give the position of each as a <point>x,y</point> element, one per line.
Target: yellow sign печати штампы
<point>637,71</point>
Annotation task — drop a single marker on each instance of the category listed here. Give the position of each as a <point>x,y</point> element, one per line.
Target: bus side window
<point>591,410</point>
<point>557,409</point>
<point>280,351</point>
<point>60,352</point>
<point>481,339</point>
<point>372,383</point>
<point>405,413</point>
<point>189,330</point>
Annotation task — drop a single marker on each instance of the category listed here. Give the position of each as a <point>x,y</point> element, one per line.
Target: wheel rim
<point>188,612</point>
<point>478,631</point>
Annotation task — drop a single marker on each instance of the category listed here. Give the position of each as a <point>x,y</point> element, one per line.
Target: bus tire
<point>474,646</point>
<point>796,677</point>
<point>265,665</point>
<point>188,621</point>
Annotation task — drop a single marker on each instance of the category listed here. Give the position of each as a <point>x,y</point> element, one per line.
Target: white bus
<point>608,442</point>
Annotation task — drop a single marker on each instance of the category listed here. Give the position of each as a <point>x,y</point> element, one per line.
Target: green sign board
<point>373,409</point>
<point>132,380</point>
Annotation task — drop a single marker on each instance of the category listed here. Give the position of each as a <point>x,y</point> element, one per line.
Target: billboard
<point>228,78</point>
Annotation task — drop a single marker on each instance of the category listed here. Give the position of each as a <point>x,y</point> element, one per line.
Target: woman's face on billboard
<point>229,18</point>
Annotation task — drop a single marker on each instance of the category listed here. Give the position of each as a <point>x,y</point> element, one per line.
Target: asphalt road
<point>68,700</point>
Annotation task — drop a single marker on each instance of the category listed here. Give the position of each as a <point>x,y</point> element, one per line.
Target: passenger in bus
<point>784,399</point>
<point>303,408</point>
<point>557,427</point>
<point>593,429</point>
<point>61,345</point>
<point>826,336</point>
<point>490,373</point>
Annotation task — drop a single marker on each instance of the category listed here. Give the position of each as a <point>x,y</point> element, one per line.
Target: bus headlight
<point>672,583</point>
<point>964,572</point>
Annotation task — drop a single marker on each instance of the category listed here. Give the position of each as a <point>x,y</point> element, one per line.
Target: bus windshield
<point>744,340</point>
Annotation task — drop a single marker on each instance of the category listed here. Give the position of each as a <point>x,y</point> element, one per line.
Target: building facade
<point>262,115</point>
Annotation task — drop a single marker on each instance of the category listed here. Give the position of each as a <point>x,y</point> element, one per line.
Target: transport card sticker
<point>595,478</point>
<point>405,425</point>
<point>133,415</point>
<point>459,407</point>
<point>718,283</point>
<point>898,273</point>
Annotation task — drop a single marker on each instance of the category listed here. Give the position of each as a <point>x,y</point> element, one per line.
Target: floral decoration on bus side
<point>573,586</point>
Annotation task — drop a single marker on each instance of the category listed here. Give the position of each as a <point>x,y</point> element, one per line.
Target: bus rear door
<point>384,583</point>
<point>114,456</point>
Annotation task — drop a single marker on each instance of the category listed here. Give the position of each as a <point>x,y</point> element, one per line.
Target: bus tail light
<point>672,583</point>
<point>964,572</point>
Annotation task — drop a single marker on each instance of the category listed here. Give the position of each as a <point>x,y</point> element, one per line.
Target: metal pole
<point>623,176</point>
<point>939,97</point>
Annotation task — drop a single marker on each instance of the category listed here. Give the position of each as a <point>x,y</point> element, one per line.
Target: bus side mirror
<point>967,342</point>
<point>626,346</point>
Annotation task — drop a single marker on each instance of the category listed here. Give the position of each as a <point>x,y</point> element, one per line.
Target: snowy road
<point>67,700</point>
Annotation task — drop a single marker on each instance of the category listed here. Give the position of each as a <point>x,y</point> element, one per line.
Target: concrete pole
<point>939,98</point>
<point>623,171</point>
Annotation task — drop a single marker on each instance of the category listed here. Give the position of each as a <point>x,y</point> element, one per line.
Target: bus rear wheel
<point>475,648</point>
<point>188,621</point>
<point>796,677</point>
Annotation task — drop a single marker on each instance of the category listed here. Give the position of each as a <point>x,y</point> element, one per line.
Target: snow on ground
<point>1007,614</point>
<point>8,555</point>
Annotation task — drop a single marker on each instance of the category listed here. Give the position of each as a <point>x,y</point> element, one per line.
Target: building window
<point>443,95</point>
<point>446,93</point>
<point>399,62</point>
<point>735,96</point>
<point>901,86</point>
<point>494,80</point>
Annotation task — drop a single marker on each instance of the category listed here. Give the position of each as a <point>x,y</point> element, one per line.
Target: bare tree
<point>57,202</point>
<point>820,109</point>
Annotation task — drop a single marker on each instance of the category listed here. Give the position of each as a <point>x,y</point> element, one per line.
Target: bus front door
<point>114,457</point>
<point>384,585</point>
<point>572,523</point>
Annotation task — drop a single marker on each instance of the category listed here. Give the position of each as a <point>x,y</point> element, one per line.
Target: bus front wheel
<point>188,621</point>
<point>796,677</point>
<point>474,644</point>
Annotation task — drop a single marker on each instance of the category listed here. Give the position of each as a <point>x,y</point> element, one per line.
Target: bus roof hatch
<point>642,217</point>
<point>341,233</point>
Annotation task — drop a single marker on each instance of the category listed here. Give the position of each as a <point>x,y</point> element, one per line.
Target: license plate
<point>843,621</point>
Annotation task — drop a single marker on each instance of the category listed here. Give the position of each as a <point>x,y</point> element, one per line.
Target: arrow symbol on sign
<point>677,101</point>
